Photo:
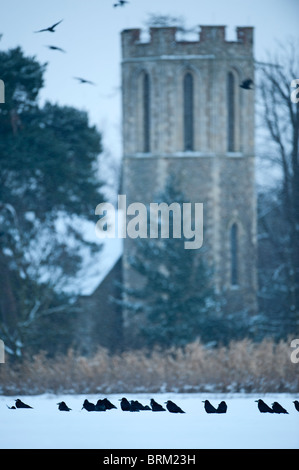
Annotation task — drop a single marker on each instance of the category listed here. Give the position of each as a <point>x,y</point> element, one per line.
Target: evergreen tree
<point>174,302</point>
<point>48,174</point>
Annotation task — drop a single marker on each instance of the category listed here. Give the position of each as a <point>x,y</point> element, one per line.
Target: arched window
<point>188,112</point>
<point>234,254</point>
<point>231,112</point>
<point>146,111</point>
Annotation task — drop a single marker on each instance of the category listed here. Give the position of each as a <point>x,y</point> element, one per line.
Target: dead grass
<point>242,366</point>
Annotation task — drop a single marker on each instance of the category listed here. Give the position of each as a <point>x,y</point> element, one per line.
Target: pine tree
<point>175,299</point>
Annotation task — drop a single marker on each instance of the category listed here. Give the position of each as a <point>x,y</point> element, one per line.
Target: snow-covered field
<point>242,427</point>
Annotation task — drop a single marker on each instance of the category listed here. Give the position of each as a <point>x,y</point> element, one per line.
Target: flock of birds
<point>135,405</point>
<point>246,84</point>
<point>52,28</point>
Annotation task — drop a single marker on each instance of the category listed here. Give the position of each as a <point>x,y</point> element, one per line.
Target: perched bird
<point>83,80</point>
<point>100,406</point>
<point>87,405</point>
<point>222,407</point>
<point>138,406</point>
<point>246,84</point>
<point>108,404</point>
<point>277,408</point>
<point>51,29</point>
<point>296,403</point>
<point>20,404</point>
<point>11,407</point>
<point>173,408</point>
<point>208,407</point>
<point>263,407</point>
<point>125,405</point>
<point>62,406</point>
<point>134,406</point>
<point>156,406</point>
<point>55,48</point>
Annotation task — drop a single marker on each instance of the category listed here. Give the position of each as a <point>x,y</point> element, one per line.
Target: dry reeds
<point>242,366</point>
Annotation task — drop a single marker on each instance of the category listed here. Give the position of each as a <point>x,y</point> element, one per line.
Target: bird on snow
<point>156,406</point>
<point>296,403</point>
<point>51,29</point>
<point>55,48</point>
<point>135,404</point>
<point>87,405</point>
<point>125,405</point>
<point>108,404</point>
<point>209,407</point>
<point>277,408</point>
<point>100,405</point>
<point>222,407</point>
<point>11,407</point>
<point>83,80</point>
<point>20,404</point>
<point>62,406</point>
<point>246,84</point>
<point>173,408</point>
<point>263,407</point>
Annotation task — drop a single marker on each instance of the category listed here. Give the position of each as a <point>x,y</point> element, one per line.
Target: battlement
<point>163,41</point>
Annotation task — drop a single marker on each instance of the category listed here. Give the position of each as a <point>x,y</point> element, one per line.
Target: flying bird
<point>277,408</point>
<point>209,407</point>
<point>173,408</point>
<point>21,404</point>
<point>55,48</point>
<point>51,29</point>
<point>222,407</point>
<point>83,80</point>
<point>121,3</point>
<point>263,407</point>
<point>62,406</point>
<point>246,84</point>
<point>296,404</point>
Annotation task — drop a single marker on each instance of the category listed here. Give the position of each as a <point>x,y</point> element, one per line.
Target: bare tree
<point>281,119</point>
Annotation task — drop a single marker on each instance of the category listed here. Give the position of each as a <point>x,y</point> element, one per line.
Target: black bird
<point>83,80</point>
<point>208,407</point>
<point>246,84</point>
<point>55,48</point>
<point>100,406</point>
<point>20,404</point>
<point>125,405</point>
<point>173,408</point>
<point>51,29</point>
<point>156,406</point>
<point>222,407</point>
<point>138,406</point>
<point>108,404</point>
<point>277,408</point>
<point>87,405</point>
<point>121,3</point>
<point>263,407</point>
<point>62,406</point>
<point>296,403</point>
<point>11,407</point>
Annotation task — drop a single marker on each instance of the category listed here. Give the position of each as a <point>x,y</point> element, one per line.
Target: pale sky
<point>90,33</point>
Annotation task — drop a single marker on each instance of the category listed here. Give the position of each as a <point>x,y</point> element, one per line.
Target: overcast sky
<point>90,34</point>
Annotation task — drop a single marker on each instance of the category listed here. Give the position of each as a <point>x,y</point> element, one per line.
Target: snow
<point>242,427</point>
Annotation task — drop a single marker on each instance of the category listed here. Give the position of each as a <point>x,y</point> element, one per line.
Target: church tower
<point>185,112</point>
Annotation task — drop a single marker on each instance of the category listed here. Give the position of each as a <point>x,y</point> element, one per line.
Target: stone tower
<point>185,112</point>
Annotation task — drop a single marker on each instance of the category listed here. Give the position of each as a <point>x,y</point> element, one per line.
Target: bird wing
<point>41,30</point>
<point>56,24</point>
